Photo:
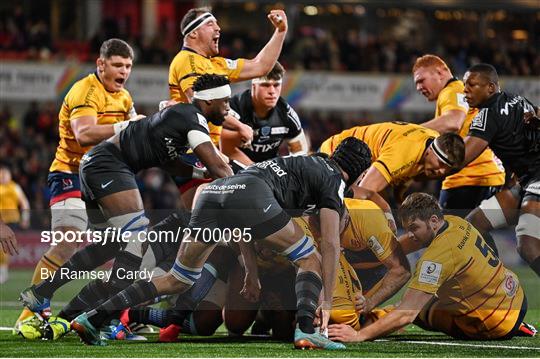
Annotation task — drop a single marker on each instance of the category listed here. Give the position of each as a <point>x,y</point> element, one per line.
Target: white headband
<point>213,93</point>
<point>198,22</point>
<point>440,153</point>
<point>260,80</point>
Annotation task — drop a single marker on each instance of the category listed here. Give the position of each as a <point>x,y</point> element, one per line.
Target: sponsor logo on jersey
<point>67,183</point>
<point>231,64</point>
<point>255,147</point>
<point>510,284</point>
<point>461,101</point>
<point>430,272</point>
<point>479,121</point>
<point>171,148</point>
<point>273,165</point>
<point>375,245</point>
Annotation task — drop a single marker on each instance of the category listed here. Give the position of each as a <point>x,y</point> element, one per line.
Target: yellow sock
<point>46,262</point>
<point>4,258</point>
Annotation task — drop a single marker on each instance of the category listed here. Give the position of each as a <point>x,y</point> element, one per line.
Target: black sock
<point>308,288</point>
<point>125,264</point>
<point>535,265</point>
<point>88,258</point>
<point>159,317</point>
<point>91,295</point>
<point>137,293</point>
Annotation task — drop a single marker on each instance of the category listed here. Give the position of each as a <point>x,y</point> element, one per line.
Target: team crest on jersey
<point>265,131</point>
<point>510,284</point>
<point>375,245</point>
<point>430,272</point>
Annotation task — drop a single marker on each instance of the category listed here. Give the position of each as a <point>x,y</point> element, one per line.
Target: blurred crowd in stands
<point>308,47</point>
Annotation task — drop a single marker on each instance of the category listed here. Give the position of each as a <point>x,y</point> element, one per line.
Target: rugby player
<point>273,121</point>
<point>14,211</point>
<point>500,125</point>
<point>459,287</point>
<point>108,178</point>
<point>263,198</point>
<point>92,111</point>
<point>480,178</point>
<point>200,55</point>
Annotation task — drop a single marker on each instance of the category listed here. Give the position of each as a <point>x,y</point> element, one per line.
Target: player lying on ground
<point>459,286</point>
<point>256,199</point>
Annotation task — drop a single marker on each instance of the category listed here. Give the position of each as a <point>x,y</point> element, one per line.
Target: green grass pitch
<point>413,342</point>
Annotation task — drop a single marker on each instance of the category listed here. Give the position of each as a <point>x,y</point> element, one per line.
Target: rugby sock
<point>138,292</point>
<point>46,262</point>
<point>308,288</point>
<point>154,316</point>
<point>88,258</point>
<point>535,265</point>
<point>94,292</point>
<point>129,263</point>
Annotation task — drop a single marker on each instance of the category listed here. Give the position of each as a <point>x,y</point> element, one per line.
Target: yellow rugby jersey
<point>483,297</point>
<point>187,65</point>
<point>485,170</point>
<point>87,97</point>
<point>9,203</point>
<point>396,147</point>
<point>367,229</point>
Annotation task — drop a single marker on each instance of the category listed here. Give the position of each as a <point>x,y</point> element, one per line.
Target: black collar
<point>491,100</point>
<point>450,81</point>
<point>443,228</point>
<point>185,48</point>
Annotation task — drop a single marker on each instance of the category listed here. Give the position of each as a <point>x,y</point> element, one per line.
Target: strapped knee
<point>494,213</point>
<point>134,223</point>
<point>301,249</point>
<point>185,274</point>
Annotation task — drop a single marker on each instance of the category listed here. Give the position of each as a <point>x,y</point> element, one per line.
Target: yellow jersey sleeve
<point>451,98</point>
<point>84,99</point>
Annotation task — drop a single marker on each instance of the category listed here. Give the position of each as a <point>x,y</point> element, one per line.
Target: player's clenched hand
<point>8,240</point>
<point>361,303</point>
<point>278,19</point>
<point>342,333</point>
<point>246,135</point>
<point>252,288</point>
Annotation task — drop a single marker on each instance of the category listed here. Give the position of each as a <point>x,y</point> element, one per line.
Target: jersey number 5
<point>485,250</point>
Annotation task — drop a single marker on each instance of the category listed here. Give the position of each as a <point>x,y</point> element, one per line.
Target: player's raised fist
<point>278,19</point>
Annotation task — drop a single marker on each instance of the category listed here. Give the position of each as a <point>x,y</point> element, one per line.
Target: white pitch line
<point>16,303</point>
<point>459,344</point>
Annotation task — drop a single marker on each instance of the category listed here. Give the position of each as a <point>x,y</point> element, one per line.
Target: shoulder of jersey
<point>354,203</point>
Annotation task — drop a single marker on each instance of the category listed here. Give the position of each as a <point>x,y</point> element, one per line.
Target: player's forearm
<point>330,259</point>
<point>93,134</point>
<point>392,282</point>
<point>388,324</point>
<point>220,170</point>
<point>444,124</point>
<point>266,58</point>
<point>248,254</point>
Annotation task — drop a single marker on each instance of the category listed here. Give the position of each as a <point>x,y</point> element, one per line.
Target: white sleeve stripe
<point>293,117</point>
<point>196,137</point>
